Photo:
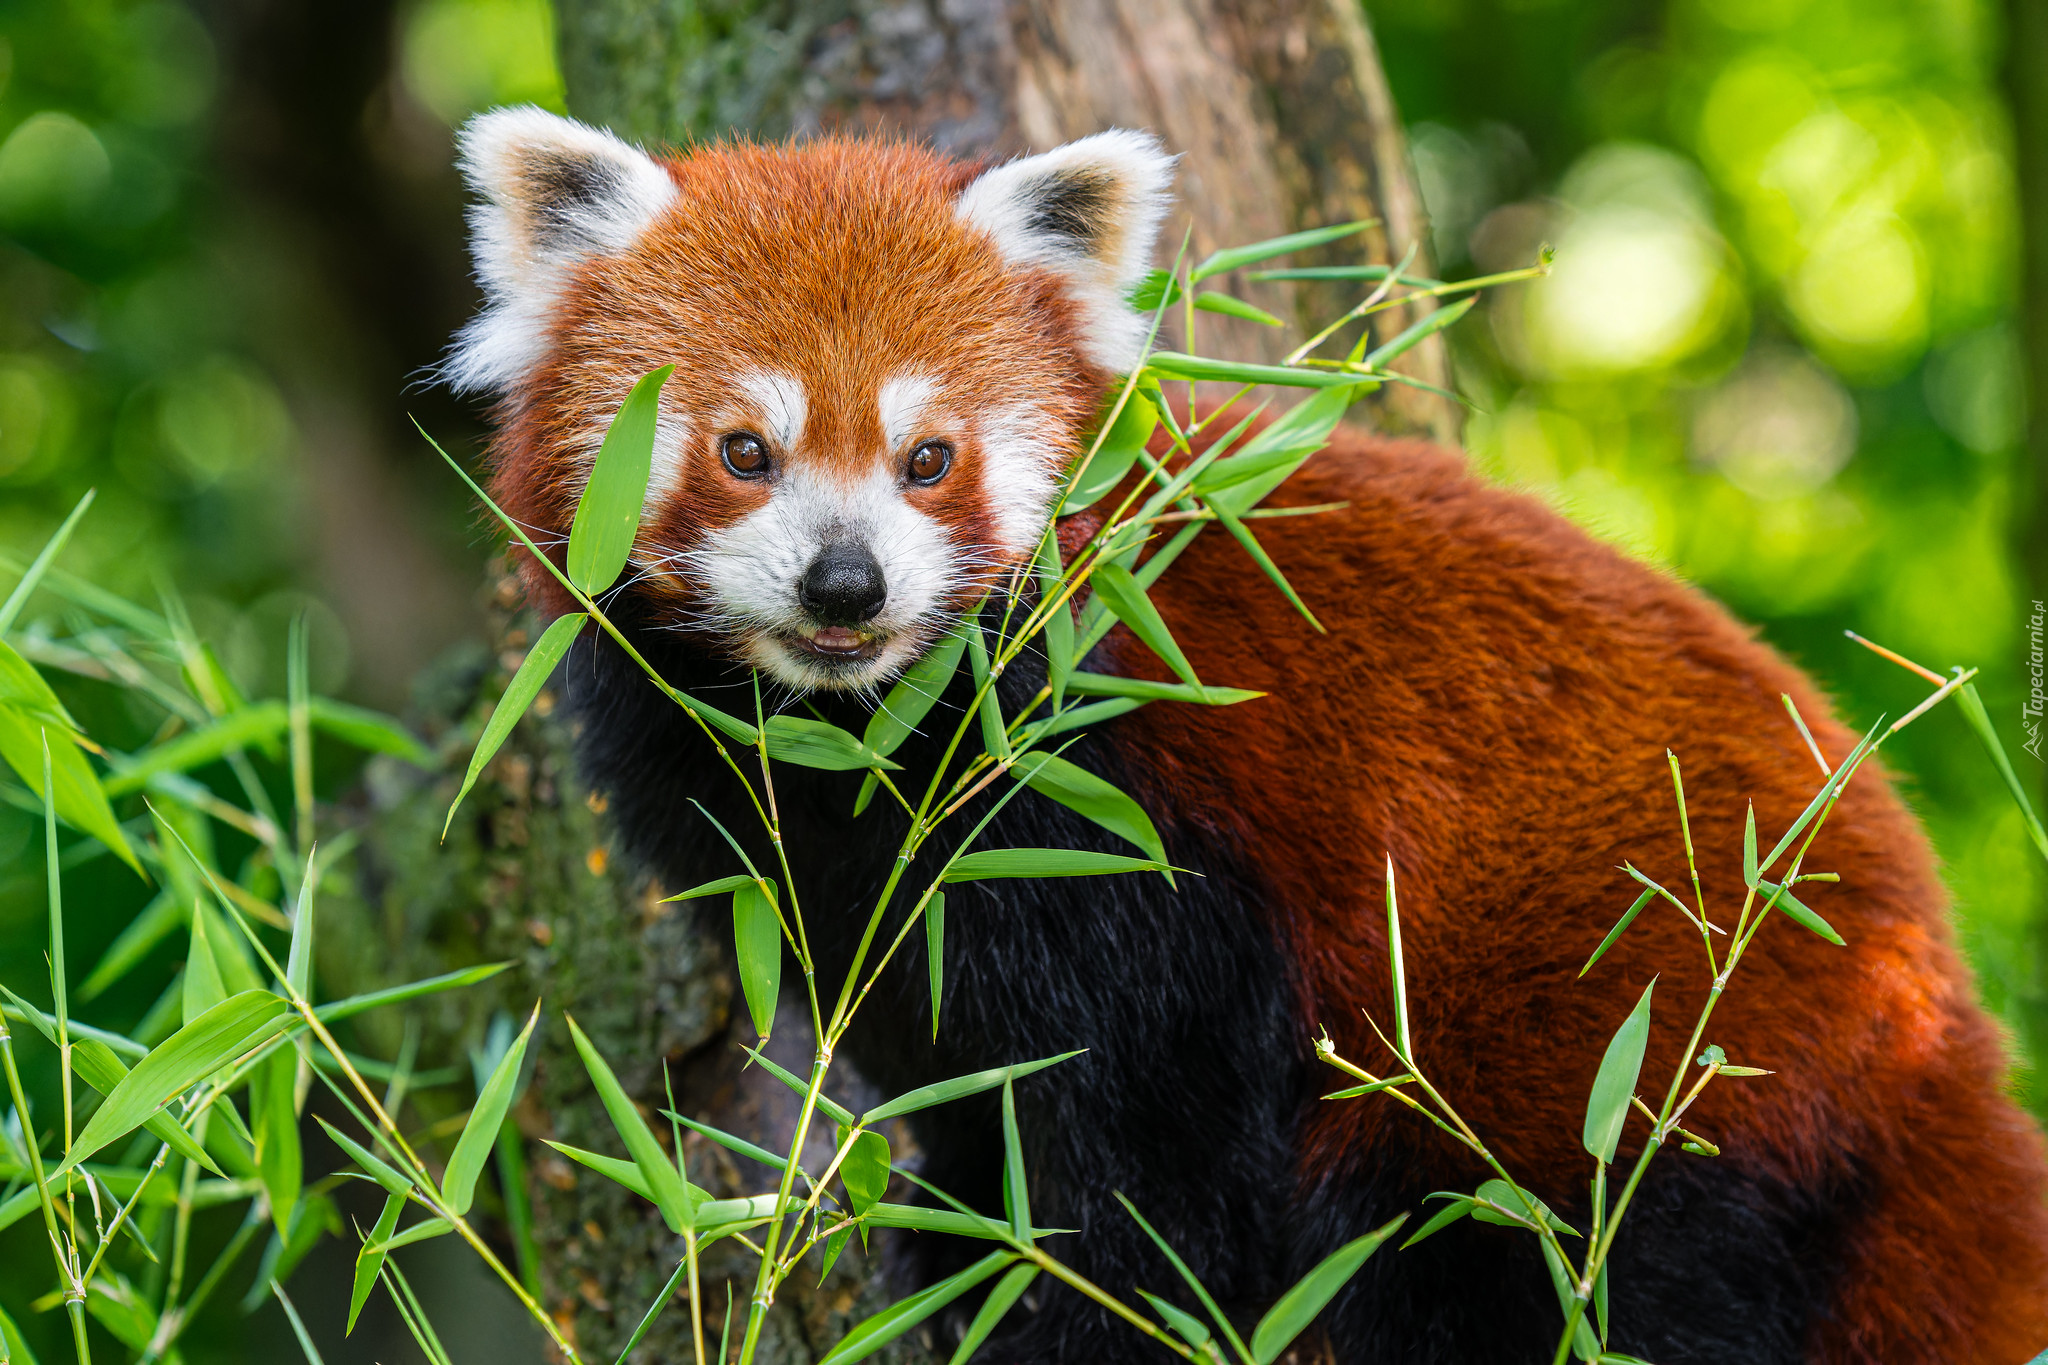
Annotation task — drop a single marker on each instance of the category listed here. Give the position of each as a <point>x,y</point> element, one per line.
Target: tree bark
<point>1279,109</point>
<point>1284,121</point>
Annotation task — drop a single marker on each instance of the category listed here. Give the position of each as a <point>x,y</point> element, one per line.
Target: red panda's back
<point>1492,706</point>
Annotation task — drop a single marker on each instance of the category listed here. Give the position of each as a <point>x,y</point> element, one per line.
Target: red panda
<point>885,360</point>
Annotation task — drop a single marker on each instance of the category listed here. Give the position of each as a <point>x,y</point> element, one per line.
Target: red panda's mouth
<point>838,644</point>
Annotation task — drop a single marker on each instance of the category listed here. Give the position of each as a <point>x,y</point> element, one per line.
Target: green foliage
<point>1787,176</point>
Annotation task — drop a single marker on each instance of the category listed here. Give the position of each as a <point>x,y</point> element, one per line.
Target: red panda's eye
<point>930,461</point>
<point>745,454</point>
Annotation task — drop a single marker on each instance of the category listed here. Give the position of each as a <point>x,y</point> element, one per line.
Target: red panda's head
<point>884,360</point>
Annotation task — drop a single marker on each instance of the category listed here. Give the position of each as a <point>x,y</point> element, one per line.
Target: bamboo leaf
<point>1459,1207</point>
<point>80,801</point>
<point>1186,1324</point>
<point>1209,301</point>
<point>914,694</point>
<point>817,744</point>
<point>1980,722</point>
<point>712,888</point>
<point>942,1092</point>
<point>729,1142</point>
<point>298,1327</point>
<point>1145,689</point>
<point>865,1171</point>
<point>337,1010</point>
<point>1121,595</point>
<point>834,1244</point>
<point>608,514</point>
<point>1016,1193</point>
<point>116,1305</point>
<point>1826,794</point>
<point>1346,272</point>
<point>383,1172</point>
<point>918,1218</point>
<point>1156,290</point>
<point>1413,336</point>
<point>1243,536</point>
<point>424,1230</point>
<point>1302,430</point>
<point>1086,794</point>
<point>1043,862</point>
<point>995,737</point>
<point>1237,257</point>
<point>1058,640</point>
<point>1250,464</point>
<point>202,989</point>
<point>1583,1344</point>
<point>1628,917</point>
<point>664,1182</point>
<point>1615,1085</point>
<point>23,687</point>
<point>246,727</point>
<point>534,671</point>
<point>1370,1087</point>
<point>1510,1206</point>
<point>998,1303</point>
<point>371,731</point>
<point>33,576</point>
<point>1080,717</point>
<point>480,1133</point>
<point>892,1322</point>
<point>1749,868</point>
<point>1800,915</point>
<point>368,1261</point>
<point>1216,1314</point>
<point>1299,1305</point>
<point>1129,434</point>
<point>838,1112</point>
<point>1399,972</point>
<point>279,1161</point>
<point>298,962</point>
<point>935,951</point>
<point>610,1167</point>
<point>194,1052</point>
<point>96,1063</point>
<point>757,940</point>
<point>1174,365</point>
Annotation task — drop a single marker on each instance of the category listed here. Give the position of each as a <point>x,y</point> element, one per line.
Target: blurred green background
<point>1781,352</point>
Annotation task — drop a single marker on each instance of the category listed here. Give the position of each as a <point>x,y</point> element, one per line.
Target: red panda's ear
<point>553,192</point>
<point>1088,211</point>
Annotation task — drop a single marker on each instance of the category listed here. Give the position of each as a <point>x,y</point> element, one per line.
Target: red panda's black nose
<point>844,585</point>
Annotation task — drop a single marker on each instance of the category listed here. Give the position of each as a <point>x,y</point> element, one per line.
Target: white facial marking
<point>751,569</point>
<point>1116,183</point>
<point>1017,472</point>
<point>665,475</point>
<point>527,235</point>
<point>902,402</point>
<point>780,400</point>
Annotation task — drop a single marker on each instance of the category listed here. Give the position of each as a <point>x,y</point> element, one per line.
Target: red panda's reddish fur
<point>1491,706</point>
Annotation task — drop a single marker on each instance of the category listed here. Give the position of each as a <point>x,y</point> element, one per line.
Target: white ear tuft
<point>554,192</point>
<point>1088,211</point>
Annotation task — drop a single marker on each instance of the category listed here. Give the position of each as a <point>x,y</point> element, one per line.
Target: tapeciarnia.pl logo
<point>2037,694</point>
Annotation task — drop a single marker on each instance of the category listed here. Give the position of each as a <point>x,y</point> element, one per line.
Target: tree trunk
<point>1279,109</point>
<point>1285,122</point>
